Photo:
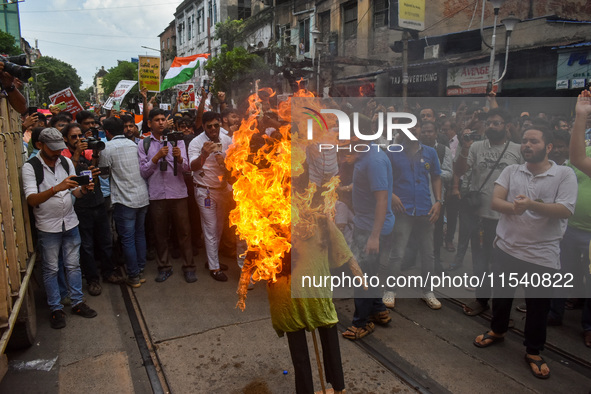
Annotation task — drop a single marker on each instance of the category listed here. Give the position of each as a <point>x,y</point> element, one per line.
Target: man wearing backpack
<point>50,193</point>
<point>168,194</point>
<point>487,159</point>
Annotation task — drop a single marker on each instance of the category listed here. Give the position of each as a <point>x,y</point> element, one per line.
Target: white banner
<point>123,87</point>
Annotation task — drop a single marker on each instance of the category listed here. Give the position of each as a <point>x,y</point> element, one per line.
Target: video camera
<point>473,136</point>
<point>17,66</point>
<point>174,136</point>
<point>94,143</point>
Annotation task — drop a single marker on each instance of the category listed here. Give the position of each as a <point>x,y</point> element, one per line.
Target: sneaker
<point>133,281</point>
<point>389,299</point>
<point>142,277</point>
<point>190,277</point>
<point>431,301</point>
<point>218,275</point>
<point>94,288</point>
<point>163,275</point>
<point>83,310</point>
<point>115,278</point>
<point>57,319</point>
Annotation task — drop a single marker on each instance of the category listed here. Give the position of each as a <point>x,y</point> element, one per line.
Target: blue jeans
<point>403,228</point>
<point>50,245</point>
<point>130,224</point>
<point>368,302</point>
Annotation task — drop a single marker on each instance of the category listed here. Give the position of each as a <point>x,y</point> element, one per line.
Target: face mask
<point>495,135</point>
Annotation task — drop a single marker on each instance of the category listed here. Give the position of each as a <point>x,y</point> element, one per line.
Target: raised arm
<point>578,156</point>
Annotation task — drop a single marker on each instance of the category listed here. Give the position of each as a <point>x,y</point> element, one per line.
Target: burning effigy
<point>288,236</point>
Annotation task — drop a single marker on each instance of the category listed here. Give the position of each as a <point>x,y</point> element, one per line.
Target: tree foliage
<point>54,75</point>
<point>229,32</point>
<point>8,44</point>
<point>124,70</point>
<point>234,64</point>
<point>85,95</point>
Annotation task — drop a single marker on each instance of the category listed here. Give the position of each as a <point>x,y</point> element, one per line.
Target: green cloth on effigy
<point>313,257</point>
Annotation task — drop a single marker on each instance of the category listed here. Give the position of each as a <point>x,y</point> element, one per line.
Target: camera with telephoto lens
<point>174,136</point>
<point>94,143</point>
<point>472,136</point>
<point>17,66</point>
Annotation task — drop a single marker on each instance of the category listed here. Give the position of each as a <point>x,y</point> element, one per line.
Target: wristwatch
<point>440,202</point>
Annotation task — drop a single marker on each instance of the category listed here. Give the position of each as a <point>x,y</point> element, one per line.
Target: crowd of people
<point>518,187</point>
<point>490,175</point>
<point>164,186</point>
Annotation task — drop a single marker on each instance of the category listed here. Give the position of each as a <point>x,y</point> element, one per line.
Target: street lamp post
<point>152,49</point>
<point>509,23</point>
<point>316,35</point>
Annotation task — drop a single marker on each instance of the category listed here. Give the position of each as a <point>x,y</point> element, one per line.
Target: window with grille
<point>244,9</point>
<point>380,13</point>
<point>304,36</point>
<point>350,20</point>
<point>189,28</point>
<point>200,20</point>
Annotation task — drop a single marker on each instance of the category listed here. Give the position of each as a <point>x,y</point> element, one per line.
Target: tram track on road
<point>397,365</point>
<point>144,341</point>
<point>562,353</point>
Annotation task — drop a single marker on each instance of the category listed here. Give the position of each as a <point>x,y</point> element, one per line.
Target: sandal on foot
<point>475,308</point>
<point>354,333</point>
<point>486,336</point>
<point>537,363</point>
<point>381,318</point>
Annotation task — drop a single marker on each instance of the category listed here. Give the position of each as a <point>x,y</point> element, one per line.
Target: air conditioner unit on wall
<point>431,52</point>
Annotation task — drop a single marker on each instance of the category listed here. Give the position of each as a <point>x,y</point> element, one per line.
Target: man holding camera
<point>87,124</point>
<point>163,168</point>
<point>9,79</point>
<point>487,159</point>
<point>50,192</point>
<point>95,228</point>
<point>212,191</point>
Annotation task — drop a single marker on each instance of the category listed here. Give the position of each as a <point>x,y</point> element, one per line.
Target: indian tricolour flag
<point>182,69</point>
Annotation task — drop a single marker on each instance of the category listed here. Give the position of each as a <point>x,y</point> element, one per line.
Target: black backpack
<point>35,162</point>
<point>440,148</point>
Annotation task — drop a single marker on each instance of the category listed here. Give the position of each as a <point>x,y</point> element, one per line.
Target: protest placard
<point>185,97</point>
<point>149,73</point>
<point>123,87</point>
<point>67,96</point>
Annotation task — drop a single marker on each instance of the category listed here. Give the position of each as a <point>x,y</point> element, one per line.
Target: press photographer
<point>168,193</point>
<point>95,228</point>
<point>11,75</point>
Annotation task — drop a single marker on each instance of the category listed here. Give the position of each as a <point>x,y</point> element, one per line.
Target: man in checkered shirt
<point>129,196</point>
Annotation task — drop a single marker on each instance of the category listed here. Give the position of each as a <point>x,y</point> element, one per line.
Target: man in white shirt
<point>538,195</point>
<point>50,192</point>
<point>213,193</point>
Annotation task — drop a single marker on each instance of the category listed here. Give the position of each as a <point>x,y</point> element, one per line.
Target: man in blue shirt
<point>414,169</point>
<point>373,221</point>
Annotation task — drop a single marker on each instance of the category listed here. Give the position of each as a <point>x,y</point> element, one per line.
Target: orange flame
<point>265,207</point>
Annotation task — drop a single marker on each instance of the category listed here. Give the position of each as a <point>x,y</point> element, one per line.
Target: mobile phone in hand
<point>81,180</point>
